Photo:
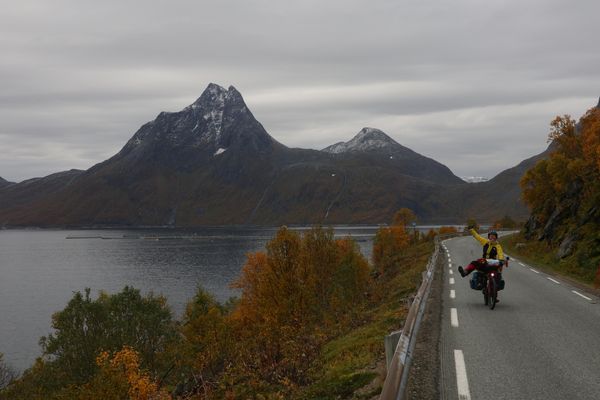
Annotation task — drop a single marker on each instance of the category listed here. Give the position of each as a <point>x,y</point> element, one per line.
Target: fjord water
<point>40,270</point>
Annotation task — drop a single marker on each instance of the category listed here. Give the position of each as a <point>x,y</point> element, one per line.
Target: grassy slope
<point>541,255</point>
<point>352,366</point>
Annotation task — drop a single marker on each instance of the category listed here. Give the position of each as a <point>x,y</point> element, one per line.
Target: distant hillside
<point>491,200</point>
<point>24,194</point>
<point>213,163</point>
<point>4,182</point>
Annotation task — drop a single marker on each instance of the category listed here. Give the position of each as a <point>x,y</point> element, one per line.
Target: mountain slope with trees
<point>563,192</point>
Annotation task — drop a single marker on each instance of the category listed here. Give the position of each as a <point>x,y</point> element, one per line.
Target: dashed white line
<point>537,272</point>
<point>578,294</point>
<point>454,317</point>
<point>522,265</point>
<point>450,272</point>
<point>554,280</point>
<point>452,281</point>
<point>462,382</point>
<point>450,265</point>
<point>449,260</point>
<point>452,294</point>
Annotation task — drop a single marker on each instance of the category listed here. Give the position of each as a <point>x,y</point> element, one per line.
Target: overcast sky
<point>470,83</point>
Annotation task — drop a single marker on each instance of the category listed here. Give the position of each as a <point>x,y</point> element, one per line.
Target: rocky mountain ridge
<point>213,163</point>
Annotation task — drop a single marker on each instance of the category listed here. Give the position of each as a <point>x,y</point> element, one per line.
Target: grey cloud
<point>79,77</point>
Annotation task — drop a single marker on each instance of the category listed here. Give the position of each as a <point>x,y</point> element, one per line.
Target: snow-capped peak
<point>367,139</point>
<point>208,111</point>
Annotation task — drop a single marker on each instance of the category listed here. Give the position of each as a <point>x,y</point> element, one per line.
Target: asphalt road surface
<point>542,341</point>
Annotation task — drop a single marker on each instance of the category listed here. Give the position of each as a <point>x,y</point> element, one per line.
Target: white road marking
<point>553,280</point>
<point>452,281</point>
<point>537,272</point>
<point>522,265</point>
<point>449,260</point>
<point>462,382</point>
<point>452,294</point>
<point>451,272</point>
<point>454,317</point>
<point>580,295</point>
<point>450,265</point>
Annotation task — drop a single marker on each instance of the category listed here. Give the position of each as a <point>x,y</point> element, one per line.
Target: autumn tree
<point>7,374</point>
<point>563,191</point>
<point>290,295</point>
<point>404,217</point>
<point>119,377</point>
<point>388,246</point>
<point>505,222</point>
<point>431,234</point>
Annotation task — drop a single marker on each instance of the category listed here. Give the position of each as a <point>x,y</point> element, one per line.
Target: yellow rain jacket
<point>489,251</point>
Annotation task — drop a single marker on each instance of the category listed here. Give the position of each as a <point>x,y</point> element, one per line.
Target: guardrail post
<point>391,342</point>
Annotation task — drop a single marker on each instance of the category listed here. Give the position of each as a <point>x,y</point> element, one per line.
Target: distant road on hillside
<point>542,341</point>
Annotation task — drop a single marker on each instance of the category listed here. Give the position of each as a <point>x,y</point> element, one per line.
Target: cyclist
<point>492,250</point>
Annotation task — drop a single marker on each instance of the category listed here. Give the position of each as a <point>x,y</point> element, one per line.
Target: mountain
<point>368,139</point>
<point>213,163</point>
<point>491,200</point>
<point>373,146</point>
<point>23,194</point>
<point>4,182</point>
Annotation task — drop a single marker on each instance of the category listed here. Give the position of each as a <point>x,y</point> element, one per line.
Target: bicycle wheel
<point>492,292</point>
<point>485,293</point>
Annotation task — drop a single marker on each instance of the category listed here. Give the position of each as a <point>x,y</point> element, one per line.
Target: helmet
<point>490,233</point>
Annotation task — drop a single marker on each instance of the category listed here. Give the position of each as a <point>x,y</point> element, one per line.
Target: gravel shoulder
<point>424,373</point>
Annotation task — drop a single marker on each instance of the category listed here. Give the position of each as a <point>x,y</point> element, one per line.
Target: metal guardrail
<point>397,374</point>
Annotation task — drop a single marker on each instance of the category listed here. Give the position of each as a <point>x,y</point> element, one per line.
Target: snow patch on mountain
<point>474,179</point>
<point>220,151</point>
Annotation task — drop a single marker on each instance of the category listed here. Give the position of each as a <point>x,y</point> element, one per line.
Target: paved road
<point>542,341</point>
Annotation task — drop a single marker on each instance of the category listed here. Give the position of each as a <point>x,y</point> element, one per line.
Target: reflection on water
<point>40,270</point>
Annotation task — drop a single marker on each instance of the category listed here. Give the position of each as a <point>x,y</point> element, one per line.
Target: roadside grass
<point>352,366</point>
<point>543,256</point>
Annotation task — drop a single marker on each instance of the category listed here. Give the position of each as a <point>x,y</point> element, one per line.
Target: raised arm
<point>477,237</point>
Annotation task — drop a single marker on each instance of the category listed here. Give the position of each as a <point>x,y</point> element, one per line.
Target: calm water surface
<point>40,270</point>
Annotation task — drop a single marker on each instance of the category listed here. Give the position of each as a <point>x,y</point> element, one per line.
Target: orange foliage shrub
<point>574,161</point>
<point>404,217</point>
<point>120,375</point>
<point>431,234</point>
<point>388,246</point>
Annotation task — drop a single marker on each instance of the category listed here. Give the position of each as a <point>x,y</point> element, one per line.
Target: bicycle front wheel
<point>492,291</point>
